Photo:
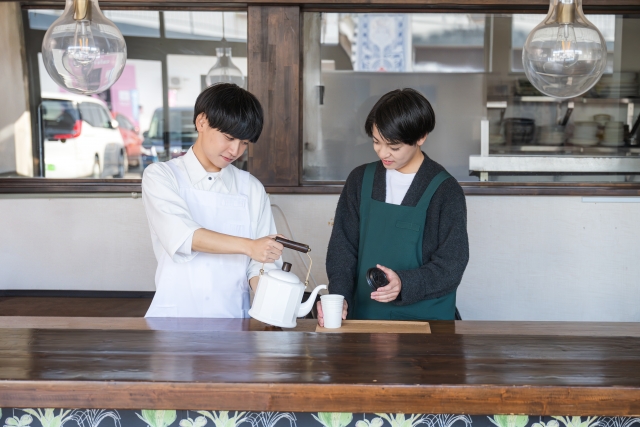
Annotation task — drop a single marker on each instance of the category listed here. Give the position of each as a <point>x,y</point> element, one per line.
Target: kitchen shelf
<point>550,163</point>
<point>501,103</point>
<point>562,159</point>
<point>491,101</point>
<point>596,150</point>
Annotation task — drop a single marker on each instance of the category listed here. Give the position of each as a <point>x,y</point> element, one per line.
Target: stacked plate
<point>601,119</point>
<point>551,135</point>
<point>619,85</point>
<point>585,134</point>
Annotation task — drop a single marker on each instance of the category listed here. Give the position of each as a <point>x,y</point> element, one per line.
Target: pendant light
<point>224,70</point>
<point>83,51</point>
<point>565,55</point>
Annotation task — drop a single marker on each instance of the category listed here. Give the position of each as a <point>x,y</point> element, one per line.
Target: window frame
<point>137,48</point>
<point>255,41</point>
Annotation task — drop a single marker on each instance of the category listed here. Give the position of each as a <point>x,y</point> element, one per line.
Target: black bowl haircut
<point>402,116</point>
<point>231,110</point>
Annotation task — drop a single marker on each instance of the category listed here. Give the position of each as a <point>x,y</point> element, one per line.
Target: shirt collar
<point>197,173</point>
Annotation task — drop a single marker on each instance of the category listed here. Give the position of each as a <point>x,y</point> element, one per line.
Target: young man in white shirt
<point>211,224</point>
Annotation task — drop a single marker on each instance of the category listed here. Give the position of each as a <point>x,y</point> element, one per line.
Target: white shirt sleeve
<point>168,213</point>
<point>185,251</point>
<point>265,226</point>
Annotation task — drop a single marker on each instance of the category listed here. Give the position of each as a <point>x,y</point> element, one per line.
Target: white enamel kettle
<point>278,299</point>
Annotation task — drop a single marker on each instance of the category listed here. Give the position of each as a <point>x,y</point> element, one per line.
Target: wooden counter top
<point>535,368</point>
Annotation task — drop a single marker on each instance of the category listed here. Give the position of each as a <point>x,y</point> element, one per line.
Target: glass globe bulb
<point>224,70</point>
<point>565,55</point>
<point>83,51</point>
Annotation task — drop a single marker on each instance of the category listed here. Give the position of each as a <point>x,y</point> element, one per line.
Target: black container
<point>376,278</point>
<point>519,131</point>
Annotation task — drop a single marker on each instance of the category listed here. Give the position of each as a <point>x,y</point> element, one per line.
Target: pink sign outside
<point>124,95</point>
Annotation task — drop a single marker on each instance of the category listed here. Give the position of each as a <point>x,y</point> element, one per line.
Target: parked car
<point>80,138</point>
<point>182,135</point>
<point>131,137</point>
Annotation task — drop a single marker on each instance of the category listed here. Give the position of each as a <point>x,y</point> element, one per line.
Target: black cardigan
<point>445,245</point>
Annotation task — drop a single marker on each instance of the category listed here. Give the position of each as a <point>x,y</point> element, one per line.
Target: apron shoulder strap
<point>183,180</point>
<point>433,186</point>
<point>367,185</point>
<point>243,181</point>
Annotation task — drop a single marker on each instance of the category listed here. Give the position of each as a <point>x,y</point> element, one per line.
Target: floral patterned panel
<point>48,417</point>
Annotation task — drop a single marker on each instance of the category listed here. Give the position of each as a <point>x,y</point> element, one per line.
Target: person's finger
<point>385,299</point>
<point>344,310</point>
<point>393,295</point>
<point>320,314</point>
<point>385,288</point>
<point>273,246</point>
<point>384,269</point>
<point>389,289</point>
<point>388,272</point>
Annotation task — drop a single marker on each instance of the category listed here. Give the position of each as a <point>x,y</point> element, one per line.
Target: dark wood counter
<point>464,367</point>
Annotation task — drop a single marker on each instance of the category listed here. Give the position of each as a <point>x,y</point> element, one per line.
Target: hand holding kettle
<point>265,249</point>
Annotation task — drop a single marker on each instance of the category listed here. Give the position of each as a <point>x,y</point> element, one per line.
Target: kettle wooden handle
<point>300,247</point>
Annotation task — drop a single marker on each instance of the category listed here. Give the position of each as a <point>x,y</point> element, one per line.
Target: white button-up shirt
<point>170,221</point>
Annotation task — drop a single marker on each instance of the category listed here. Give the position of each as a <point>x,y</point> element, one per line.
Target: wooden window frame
<point>274,55</point>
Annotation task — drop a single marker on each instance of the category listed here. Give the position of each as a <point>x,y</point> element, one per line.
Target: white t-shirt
<point>398,184</point>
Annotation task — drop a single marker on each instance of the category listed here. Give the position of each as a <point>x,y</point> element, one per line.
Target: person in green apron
<point>404,214</point>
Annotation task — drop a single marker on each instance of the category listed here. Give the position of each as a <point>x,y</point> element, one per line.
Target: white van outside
<point>80,138</point>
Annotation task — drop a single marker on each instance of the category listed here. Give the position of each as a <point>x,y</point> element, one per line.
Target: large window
<point>117,133</point>
<point>352,59</point>
<point>402,42</point>
<point>522,25</point>
<point>131,23</point>
<point>467,66</point>
<point>491,124</point>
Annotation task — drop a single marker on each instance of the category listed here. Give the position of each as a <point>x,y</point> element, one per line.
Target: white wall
<point>75,244</point>
<point>551,258</point>
<point>532,258</point>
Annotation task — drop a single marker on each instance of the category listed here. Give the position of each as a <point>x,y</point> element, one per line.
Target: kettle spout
<point>308,305</point>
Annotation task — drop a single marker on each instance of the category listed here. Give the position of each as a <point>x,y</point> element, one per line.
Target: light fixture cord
<point>223,39</point>
<point>82,10</point>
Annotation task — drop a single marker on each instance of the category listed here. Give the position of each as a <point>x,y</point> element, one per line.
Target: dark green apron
<point>391,235</point>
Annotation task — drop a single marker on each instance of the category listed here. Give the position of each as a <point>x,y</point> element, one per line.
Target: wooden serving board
<point>380,326</point>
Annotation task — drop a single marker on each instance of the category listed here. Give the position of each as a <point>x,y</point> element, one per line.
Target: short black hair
<point>401,116</point>
<point>231,110</point>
